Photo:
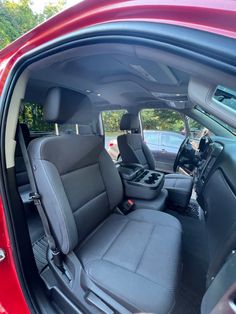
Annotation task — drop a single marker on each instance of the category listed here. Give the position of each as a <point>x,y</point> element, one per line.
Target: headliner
<point>112,76</point>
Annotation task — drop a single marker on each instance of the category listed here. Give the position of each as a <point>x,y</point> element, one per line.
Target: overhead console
<point>140,182</point>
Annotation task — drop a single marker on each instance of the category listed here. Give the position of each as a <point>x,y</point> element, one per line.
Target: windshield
<point>222,123</point>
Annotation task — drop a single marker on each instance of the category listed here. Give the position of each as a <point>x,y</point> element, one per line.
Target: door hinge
<point>2,255</point>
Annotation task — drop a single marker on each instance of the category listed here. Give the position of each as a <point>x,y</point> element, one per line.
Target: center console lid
<point>139,182</point>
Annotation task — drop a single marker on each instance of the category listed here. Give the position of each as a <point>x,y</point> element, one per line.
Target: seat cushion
<point>136,259</point>
<point>179,188</point>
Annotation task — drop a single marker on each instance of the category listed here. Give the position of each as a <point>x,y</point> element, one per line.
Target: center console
<point>139,182</point>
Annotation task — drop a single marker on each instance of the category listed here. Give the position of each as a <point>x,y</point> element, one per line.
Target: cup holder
<point>150,180</point>
<point>155,176</point>
<point>148,177</point>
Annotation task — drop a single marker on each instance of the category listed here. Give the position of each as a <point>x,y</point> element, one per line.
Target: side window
<point>172,140</point>
<point>32,115</point>
<point>111,123</point>
<point>150,138</point>
<point>165,125</point>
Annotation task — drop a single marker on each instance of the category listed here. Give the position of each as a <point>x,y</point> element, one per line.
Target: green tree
<point>17,18</point>
<point>51,9</point>
<point>111,120</point>
<point>154,119</point>
<point>32,115</point>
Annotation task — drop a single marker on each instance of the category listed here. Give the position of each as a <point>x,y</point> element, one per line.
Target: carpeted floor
<point>194,256</point>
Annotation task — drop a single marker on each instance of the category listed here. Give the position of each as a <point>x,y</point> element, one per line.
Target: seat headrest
<point>67,106</point>
<point>129,121</point>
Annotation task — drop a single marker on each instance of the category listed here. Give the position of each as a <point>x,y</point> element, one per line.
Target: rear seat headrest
<point>129,121</point>
<point>67,106</point>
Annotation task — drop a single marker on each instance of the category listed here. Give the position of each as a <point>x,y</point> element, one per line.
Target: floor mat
<point>187,301</point>
<point>195,261</point>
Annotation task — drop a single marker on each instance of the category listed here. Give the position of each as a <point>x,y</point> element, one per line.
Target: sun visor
<point>203,94</point>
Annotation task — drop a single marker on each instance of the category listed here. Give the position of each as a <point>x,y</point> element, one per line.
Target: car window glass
<point>150,137</point>
<point>164,124</point>
<point>32,115</point>
<point>197,130</point>
<point>162,128</point>
<point>162,120</point>
<point>111,124</point>
<point>171,140</point>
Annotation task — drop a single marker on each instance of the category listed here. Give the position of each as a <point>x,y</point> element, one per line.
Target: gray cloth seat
<point>134,150</point>
<point>139,262</point>
<point>134,259</point>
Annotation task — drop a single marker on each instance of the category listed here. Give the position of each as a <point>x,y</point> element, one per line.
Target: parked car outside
<point>163,144</point>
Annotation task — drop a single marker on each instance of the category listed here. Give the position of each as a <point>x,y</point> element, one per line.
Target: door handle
<point>163,150</point>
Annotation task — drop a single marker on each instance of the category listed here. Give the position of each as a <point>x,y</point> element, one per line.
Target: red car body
<point>218,16</point>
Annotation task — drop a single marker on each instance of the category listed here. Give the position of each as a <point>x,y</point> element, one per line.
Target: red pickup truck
<point>79,234</point>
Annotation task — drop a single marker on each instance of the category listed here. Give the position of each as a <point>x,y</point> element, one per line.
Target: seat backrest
<point>86,130</point>
<point>131,145</point>
<point>78,182</point>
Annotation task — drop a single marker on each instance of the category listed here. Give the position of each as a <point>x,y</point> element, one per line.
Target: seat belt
<point>36,198</point>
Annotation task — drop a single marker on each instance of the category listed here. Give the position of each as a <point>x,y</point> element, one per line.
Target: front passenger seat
<point>134,150</point>
<point>129,261</point>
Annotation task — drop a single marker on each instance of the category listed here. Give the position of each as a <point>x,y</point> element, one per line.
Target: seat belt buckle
<point>57,258</point>
<point>35,197</point>
<point>127,206</point>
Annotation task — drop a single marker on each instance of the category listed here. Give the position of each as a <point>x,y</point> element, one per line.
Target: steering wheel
<point>181,150</point>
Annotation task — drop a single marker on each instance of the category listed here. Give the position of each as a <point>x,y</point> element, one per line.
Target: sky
<point>38,5</point>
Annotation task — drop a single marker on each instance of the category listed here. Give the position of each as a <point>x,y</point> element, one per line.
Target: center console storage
<point>141,183</point>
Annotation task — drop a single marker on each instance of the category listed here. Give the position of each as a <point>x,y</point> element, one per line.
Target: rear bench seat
<point>133,259</point>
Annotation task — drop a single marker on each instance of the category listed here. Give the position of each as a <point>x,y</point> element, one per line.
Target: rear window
<point>32,115</point>
<point>111,124</point>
